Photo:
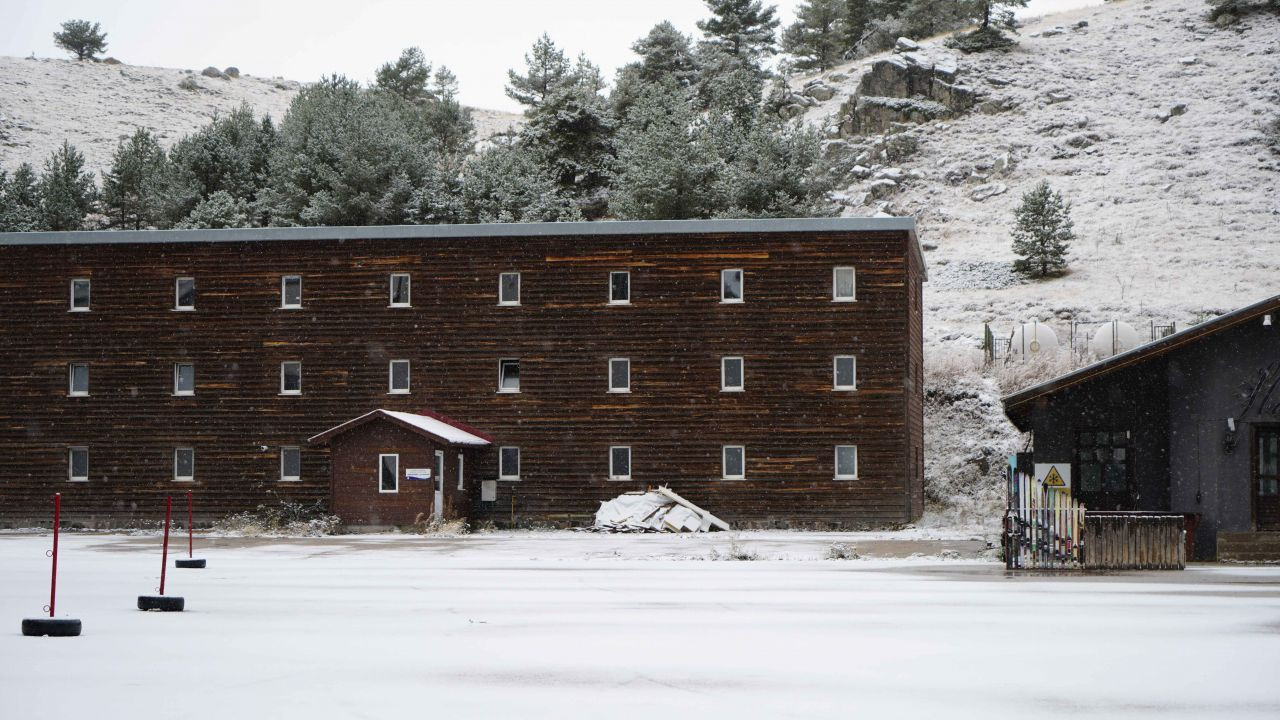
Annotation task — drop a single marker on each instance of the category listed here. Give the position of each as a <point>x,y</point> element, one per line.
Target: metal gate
<point>1043,526</point>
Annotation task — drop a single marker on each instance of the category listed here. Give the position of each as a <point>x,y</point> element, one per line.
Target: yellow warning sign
<point>1054,475</point>
<point>1054,479</point>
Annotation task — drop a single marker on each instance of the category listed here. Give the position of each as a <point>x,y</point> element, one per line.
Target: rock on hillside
<point>94,105</point>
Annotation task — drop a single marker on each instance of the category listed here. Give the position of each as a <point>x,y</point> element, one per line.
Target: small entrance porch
<point>393,468</point>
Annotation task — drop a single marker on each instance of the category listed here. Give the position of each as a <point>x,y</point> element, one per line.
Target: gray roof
<point>402,232</point>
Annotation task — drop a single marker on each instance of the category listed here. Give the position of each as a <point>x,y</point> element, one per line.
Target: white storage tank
<point>1033,340</point>
<point>1113,338</point>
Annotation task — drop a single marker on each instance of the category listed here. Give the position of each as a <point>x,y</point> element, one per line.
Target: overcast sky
<point>478,39</point>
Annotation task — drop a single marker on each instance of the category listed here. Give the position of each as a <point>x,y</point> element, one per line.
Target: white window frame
<point>501,363</point>
<point>283,391</point>
<point>284,284</point>
<point>177,391</point>
<point>614,301</point>
<point>742,286</point>
<point>89,289</point>
<point>71,380</point>
<point>502,469</point>
<point>742,374</point>
<point>71,463</point>
<point>391,378</point>
<point>836,458</point>
<point>627,387</point>
<point>835,284</point>
<point>503,301</point>
<point>613,475</point>
<point>391,290</point>
<point>724,462</point>
<point>462,479</point>
<point>835,373</point>
<point>439,471</point>
<point>177,294</point>
<point>184,478</point>
<point>284,477</point>
<point>382,490</point>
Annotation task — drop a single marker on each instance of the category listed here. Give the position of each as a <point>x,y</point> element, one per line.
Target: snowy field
<point>556,625</point>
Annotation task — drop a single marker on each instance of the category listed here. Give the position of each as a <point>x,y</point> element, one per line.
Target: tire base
<point>161,603</point>
<point>189,562</point>
<point>52,627</point>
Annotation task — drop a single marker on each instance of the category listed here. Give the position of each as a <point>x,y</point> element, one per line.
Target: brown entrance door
<point>1266,477</point>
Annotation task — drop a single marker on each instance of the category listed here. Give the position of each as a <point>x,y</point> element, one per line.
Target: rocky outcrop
<point>909,87</point>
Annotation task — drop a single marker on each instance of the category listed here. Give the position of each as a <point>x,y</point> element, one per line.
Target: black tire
<point>162,603</point>
<point>53,627</point>
<point>189,563</point>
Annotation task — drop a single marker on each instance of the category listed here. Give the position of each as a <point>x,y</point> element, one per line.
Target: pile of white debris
<point>658,510</point>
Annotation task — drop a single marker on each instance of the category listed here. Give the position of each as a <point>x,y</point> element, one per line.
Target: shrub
<point>287,518</point>
<point>980,40</point>
<point>901,146</point>
<point>842,551</point>
<point>734,552</point>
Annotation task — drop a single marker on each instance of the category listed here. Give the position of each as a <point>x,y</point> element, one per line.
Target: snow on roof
<point>437,425</point>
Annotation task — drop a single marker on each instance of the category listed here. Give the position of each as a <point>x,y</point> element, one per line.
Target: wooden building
<point>769,370</point>
<point>1187,424</point>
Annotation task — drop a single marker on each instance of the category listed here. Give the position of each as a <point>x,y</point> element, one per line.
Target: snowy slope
<point>94,105</point>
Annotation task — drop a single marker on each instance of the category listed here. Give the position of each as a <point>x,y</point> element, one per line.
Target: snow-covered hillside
<point>1178,215</point>
<point>94,105</point>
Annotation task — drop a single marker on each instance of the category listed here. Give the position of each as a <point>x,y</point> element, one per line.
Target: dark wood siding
<point>675,331</point>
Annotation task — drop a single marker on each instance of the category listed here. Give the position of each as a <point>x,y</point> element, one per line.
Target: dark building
<point>1187,424</point>
<point>767,369</point>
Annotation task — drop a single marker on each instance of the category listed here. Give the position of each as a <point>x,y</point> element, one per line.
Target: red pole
<point>189,502</point>
<point>57,520</point>
<point>164,558</point>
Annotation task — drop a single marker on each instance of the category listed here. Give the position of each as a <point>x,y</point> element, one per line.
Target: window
<point>846,462</point>
<point>843,286</point>
<point>509,289</point>
<point>184,294</point>
<point>438,480</point>
<point>80,295</point>
<point>399,377</point>
<point>509,463</point>
<point>731,286</point>
<point>509,376</point>
<point>184,464</point>
<point>846,372</point>
<point>78,379</point>
<point>184,379</point>
<point>734,458</point>
<point>399,289</point>
<point>620,375</point>
<point>388,473</point>
<point>290,464</point>
<point>619,288</point>
<point>462,482</point>
<point>731,374</point>
<point>78,464</point>
<point>1267,440</point>
<point>291,291</point>
<point>619,463</point>
<point>290,378</point>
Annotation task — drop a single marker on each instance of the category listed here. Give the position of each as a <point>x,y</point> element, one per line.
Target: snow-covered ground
<point>555,625</point>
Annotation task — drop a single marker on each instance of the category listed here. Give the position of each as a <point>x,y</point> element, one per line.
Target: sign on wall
<point>1054,475</point>
<point>417,474</point>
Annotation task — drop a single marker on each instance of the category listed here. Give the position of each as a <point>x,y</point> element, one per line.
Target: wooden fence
<point>1135,541</point>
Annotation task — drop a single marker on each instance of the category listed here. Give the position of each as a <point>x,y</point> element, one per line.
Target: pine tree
<point>448,124</point>
<point>546,68</point>
<point>231,154</point>
<point>773,169</point>
<point>407,77</point>
<point>1042,233</point>
<point>219,210</point>
<point>135,189</point>
<point>81,38</point>
<point>666,166</point>
<point>666,52</point>
<point>20,201</point>
<point>998,13</point>
<point>743,29</point>
<point>67,192</point>
<point>507,183</point>
<point>818,35</point>
<point>857,20</point>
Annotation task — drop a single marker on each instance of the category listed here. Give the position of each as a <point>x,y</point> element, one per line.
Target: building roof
<point>426,232</point>
<point>1144,353</point>
<point>431,424</point>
